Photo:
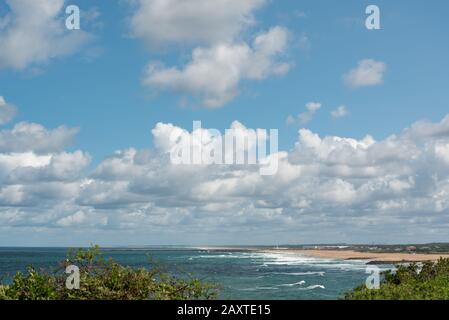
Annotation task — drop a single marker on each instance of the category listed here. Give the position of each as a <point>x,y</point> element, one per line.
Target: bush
<point>426,281</point>
<point>102,279</point>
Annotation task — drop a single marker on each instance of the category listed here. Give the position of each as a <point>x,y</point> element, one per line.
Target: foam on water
<point>273,269</point>
<point>297,259</point>
<point>308,273</point>
<point>267,259</point>
<point>299,286</point>
<point>315,286</point>
<point>299,283</point>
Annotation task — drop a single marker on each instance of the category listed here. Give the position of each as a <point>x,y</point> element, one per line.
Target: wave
<point>307,273</point>
<point>299,283</point>
<point>295,259</point>
<point>268,259</point>
<point>259,288</point>
<point>315,286</point>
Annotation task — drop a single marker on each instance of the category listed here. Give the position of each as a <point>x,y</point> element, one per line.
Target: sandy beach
<point>343,254</point>
<point>373,257</point>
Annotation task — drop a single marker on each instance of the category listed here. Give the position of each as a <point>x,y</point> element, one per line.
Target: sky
<point>87,116</point>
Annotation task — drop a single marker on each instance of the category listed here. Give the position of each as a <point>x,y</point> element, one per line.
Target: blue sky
<point>104,95</point>
<point>99,87</point>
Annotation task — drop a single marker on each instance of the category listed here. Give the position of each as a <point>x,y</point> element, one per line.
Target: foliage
<point>424,281</point>
<point>102,279</point>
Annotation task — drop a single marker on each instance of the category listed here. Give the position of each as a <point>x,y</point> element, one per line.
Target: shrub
<point>426,281</point>
<point>102,279</point>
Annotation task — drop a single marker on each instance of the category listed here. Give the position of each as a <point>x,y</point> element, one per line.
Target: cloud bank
<point>327,188</point>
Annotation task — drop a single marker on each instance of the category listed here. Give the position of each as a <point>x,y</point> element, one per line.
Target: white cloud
<point>340,112</point>
<point>7,111</point>
<point>367,73</point>
<point>290,120</point>
<point>11,161</point>
<point>58,167</point>
<point>34,169</point>
<point>35,173</point>
<point>427,129</point>
<point>197,22</point>
<point>442,152</point>
<point>82,218</point>
<point>340,185</point>
<point>77,218</point>
<point>34,137</point>
<point>33,32</point>
<point>313,106</point>
<point>304,117</point>
<point>222,55</point>
<point>330,177</point>
<point>215,73</point>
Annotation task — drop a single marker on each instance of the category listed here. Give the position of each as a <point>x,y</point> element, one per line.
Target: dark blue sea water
<point>242,275</point>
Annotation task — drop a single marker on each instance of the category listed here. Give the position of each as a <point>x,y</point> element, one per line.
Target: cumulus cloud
<point>82,218</point>
<point>327,177</point>
<point>222,54</point>
<point>428,129</point>
<point>161,22</point>
<point>342,185</point>
<point>340,112</point>
<point>215,73</point>
<point>7,111</point>
<point>33,32</point>
<point>34,137</point>
<point>367,73</point>
<point>51,167</point>
<point>35,170</point>
<point>313,106</point>
<point>305,117</point>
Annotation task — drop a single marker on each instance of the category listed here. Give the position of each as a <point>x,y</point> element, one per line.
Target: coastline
<point>372,257</point>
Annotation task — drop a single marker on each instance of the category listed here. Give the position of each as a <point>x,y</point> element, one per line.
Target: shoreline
<point>372,257</point>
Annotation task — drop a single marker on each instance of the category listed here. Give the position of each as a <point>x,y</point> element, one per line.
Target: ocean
<point>241,275</point>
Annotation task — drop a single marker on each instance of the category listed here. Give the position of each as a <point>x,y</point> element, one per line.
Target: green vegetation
<point>102,279</point>
<point>427,281</point>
